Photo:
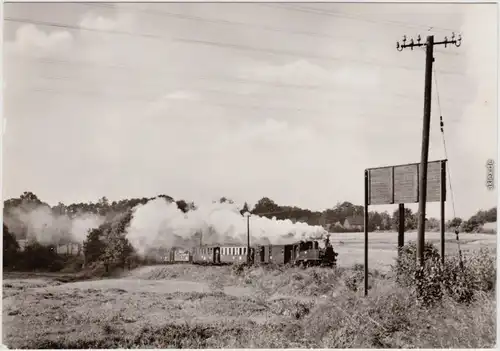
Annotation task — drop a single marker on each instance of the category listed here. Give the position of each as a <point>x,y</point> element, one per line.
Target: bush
<point>10,248</point>
<point>458,278</point>
<point>37,257</point>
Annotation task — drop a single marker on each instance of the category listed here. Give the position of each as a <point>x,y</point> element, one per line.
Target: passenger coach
<point>234,254</point>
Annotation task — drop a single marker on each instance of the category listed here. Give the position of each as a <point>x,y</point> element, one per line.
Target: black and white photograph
<point>249,175</point>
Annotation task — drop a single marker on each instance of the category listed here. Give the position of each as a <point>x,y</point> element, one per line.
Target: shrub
<point>10,248</point>
<point>458,278</point>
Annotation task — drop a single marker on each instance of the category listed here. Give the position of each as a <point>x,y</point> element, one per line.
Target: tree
<point>10,248</point>
<point>28,196</point>
<point>94,246</point>
<point>455,223</point>
<point>226,200</point>
<point>182,205</point>
<point>386,221</point>
<point>410,220</point>
<point>59,209</point>
<point>374,221</point>
<point>166,197</point>
<point>266,206</point>
<point>245,209</point>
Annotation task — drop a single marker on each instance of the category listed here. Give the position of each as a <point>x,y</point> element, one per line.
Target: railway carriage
<point>234,254</point>
<point>206,255</point>
<point>277,254</point>
<point>304,253</point>
<point>181,256</point>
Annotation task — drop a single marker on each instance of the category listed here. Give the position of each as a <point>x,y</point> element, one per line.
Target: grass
<point>257,307</point>
<point>187,306</point>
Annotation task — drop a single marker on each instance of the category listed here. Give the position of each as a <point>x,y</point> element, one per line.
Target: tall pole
<point>429,59</point>
<point>366,232</point>
<point>424,158</point>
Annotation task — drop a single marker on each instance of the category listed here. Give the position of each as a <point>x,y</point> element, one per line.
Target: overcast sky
<point>200,101</point>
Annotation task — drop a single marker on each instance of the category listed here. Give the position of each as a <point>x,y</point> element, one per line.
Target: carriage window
<point>240,252</point>
<point>316,245</point>
<point>222,250</point>
<point>244,251</point>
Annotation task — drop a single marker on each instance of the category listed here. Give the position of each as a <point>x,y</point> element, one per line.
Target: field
<point>185,306</point>
<point>382,247</point>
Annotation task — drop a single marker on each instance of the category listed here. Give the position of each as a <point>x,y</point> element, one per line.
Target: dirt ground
<point>42,310</point>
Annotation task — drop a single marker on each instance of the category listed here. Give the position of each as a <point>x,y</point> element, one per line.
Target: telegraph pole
<point>429,59</point>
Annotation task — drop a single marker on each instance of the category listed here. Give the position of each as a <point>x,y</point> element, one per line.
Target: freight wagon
<point>277,254</point>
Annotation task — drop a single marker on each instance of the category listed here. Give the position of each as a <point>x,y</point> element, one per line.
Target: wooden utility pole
<point>426,128</point>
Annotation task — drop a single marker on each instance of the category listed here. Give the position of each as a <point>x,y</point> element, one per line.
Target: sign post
<point>401,229</point>
<point>399,185</point>
<point>366,229</point>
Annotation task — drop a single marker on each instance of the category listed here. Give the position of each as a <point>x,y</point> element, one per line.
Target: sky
<point>199,101</point>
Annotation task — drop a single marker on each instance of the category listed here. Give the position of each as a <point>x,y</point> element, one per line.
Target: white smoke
<point>161,224</point>
<point>41,224</point>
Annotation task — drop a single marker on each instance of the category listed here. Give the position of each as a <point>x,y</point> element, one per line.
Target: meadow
<point>383,246</point>
<point>186,306</point>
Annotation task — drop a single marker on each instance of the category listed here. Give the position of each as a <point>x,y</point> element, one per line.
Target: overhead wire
<point>245,24</point>
<point>353,17</point>
<point>308,112</point>
<point>219,21</point>
<point>253,95</point>
<point>223,45</point>
<point>246,80</point>
<point>441,125</point>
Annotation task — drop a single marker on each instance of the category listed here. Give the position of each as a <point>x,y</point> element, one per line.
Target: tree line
<point>332,218</point>
<point>107,244</point>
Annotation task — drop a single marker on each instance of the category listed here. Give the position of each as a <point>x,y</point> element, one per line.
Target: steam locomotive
<point>305,253</point>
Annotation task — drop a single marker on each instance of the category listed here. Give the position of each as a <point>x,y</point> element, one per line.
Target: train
<point>304,253</point>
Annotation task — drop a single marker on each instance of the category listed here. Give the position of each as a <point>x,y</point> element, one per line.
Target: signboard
<point>400,184</point>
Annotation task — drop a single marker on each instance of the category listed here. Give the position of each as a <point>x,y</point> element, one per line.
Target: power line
<point>395,117</point>
<point>355,17</point>
<point>230,79</point>
<point>243,24</point>
<point>221,22</point>
<point>251,95</point>
<point>444,144</point>
<point>222,45</point>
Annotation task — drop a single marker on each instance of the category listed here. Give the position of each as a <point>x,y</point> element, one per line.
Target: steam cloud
<point>42,224</point>
<point>160,223</point>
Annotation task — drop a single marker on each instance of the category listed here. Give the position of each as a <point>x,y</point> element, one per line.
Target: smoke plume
<point>41,224</point>
<point>160,223</point>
